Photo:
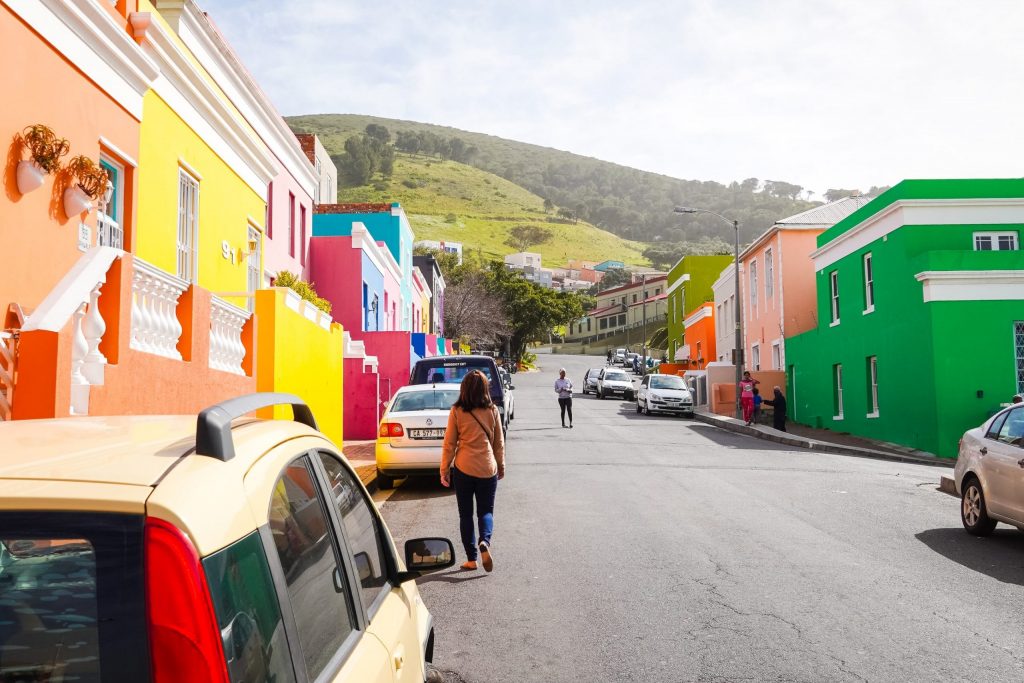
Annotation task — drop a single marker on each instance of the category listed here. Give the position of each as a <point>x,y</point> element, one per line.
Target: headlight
<point>655,397</point>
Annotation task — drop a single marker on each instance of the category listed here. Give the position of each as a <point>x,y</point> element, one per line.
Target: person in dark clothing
<point>779,404</point>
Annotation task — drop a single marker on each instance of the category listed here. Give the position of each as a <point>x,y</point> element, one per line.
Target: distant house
<point>605,266</point>
<point>689,285</point>
<point>699,340</point>
<point>920,315</point>
<point>523,259</point>
<point>623,309</point>
<point>442,246</point>
<point>431,272</point>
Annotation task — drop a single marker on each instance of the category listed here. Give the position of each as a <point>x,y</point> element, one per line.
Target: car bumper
<point>410,460</point>
<point>686,408</point>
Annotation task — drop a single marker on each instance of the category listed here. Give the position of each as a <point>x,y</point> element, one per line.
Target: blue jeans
<point>466,487</point>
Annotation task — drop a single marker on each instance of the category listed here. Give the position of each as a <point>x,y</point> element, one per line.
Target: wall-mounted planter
<point>76,201</point>
<point>30,176</point>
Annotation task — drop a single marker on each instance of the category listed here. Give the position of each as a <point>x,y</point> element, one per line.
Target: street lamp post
<point>739,319</point>
<point>643,343</point>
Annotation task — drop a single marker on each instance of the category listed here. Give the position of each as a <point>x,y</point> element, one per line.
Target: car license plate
<point>426,433</point>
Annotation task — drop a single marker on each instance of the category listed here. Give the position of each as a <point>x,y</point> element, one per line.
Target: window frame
<point>117,198</point>
<point>837,391</point>
<point>291,224</point>
<point>776,356</point>
<point>755,357</point>
<point>867,264</point>
<point>186,178</point>
<point>994,236</point>
<point>769,273</point>
<point>753,287</point>
<point>872,377</point>
<point>303,240</point>
<point>833,293</point>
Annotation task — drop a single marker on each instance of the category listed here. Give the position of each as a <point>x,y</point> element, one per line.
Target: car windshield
<point>667,382</point>
<point>616,376</point>
<point>440,399</point>
<point>592,373</point>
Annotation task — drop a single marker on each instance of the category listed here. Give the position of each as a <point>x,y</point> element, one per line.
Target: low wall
<point>360,401</point>
<point>723,386</point>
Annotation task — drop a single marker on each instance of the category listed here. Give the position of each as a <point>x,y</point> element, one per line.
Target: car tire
<point>385,482</point>
<point>973,511</point>
<point>647,407</point>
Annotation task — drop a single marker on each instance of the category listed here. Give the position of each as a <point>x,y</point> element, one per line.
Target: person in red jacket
<point>747,385</point>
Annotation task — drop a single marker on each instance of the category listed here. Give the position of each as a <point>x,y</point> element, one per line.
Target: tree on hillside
<point>379,133</point>
<point>665,254</point>
<point>834,195</point>
<point>614,277</point>
<point>781,189</point>
<point>446,260</point>
<point>522,237</point>
<point>548,205</point>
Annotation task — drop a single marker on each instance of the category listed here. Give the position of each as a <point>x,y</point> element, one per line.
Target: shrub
<point>380,186</point>
<point>303,289</point>
<point>410,183</point>
<point>450,218</point>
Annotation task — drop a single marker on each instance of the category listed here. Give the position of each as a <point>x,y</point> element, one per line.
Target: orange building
<point>698,347</point>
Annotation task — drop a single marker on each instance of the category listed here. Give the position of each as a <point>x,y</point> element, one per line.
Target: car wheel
<point>384,481</point>
<point>647,407</point>
<point>973,511</point>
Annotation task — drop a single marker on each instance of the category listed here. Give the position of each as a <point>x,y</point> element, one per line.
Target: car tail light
<point>390,429</point>
<point>184,639</point>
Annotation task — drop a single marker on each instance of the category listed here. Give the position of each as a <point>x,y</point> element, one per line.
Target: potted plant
<point>90,183</point>
<point>46,150</point>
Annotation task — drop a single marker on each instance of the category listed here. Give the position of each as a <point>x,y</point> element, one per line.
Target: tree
<point>834,195</point>
<point>472,311</point>
<point>379,133</point>
<point>359,163</point>
<point>446,260</point>
<point>877,190</point>
<point>548,205</point>
<point>522,237</point>
<point>613,277</point>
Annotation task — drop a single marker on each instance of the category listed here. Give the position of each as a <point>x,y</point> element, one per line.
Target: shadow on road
<point>420,488</point>
<point>453,576</point>
<point>738,441</point>
<point>1000,556</point>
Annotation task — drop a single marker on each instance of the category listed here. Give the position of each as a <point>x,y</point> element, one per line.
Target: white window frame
<point>753,287</point>
<point>188,226</point>
<point>837,385</point>
<point>755,357</point>
<point>776,356</point>
<point>994,236</point>
<point>833,292</point>
<point>118,197</point>
<point>869,283</point>
<point>253,264</point>
<point>873,386</point>
<point>769,274</point>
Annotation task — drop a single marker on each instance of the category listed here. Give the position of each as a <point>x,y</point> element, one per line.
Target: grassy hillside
<point>452,201</point>
<point>628,202</point>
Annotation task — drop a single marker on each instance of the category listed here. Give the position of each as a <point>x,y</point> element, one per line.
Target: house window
<point>776,356</point>
<point>869,285</point>
<point>995,241</point>
<point>753,286</point>
<point>291,225</point>
<point>110,216</point>
<point>319,179</point>
<point>375,307</point>
<point>837,391</point>
<point>833,285</point>
<point>254,275</point>
<point>634,298</point>
<point>872,375</point>
<point>622,320</point>
<point>188,226</point>
<point>755,357</point>
<point>302,233</point>
<point>769,274</point>
<point>657,291</point>
<point>366,308</point>
<point>588,324</point>
<point>1018,345</point>
<point>604,323</point>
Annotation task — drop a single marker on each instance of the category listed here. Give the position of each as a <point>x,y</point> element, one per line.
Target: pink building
<point>777,284</point>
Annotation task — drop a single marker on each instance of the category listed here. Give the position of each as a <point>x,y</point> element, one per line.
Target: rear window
<point>425,400</point>
<point>72,602</point>
<point>452,370</point>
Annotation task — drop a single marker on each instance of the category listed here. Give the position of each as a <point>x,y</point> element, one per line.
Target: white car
<point>990,473</point>
<point>590,380</point>
<point>620,357</point>
<point>510,397</point>
<point>615,382</point>
<point>411,432</point>
<point>664,394</point>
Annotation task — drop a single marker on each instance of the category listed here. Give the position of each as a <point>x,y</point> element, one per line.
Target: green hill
<point>628,202</point>
<point>447,200</point>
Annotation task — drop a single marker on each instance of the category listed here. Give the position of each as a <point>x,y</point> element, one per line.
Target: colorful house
<point>388,224</point>
<point>920,306</point>
<point>689,285</point>
<point>623,310</point>
<point>326,189</point>
<point>431,271</point>
<point>699,338</point>
<point>421,308</point>
<point>778,282</point>
<point>724,293</point>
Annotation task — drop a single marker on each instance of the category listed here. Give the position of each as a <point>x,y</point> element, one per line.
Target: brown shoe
<point>485,556</point>
<point>469,565</point>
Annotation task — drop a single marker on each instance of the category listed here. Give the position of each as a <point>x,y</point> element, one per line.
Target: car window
<point>644,382</point>
<point>362,531</point>
<point>997,424</point>
<point>317,589</point>
<point>411,401</point>
<point>1012,430</point>
<point>72,597</point>
<point>668,382</point>
<point>616,376</point>
<point>248,613</point>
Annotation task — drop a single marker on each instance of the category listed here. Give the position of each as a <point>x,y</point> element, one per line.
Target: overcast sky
<point>829,93</point>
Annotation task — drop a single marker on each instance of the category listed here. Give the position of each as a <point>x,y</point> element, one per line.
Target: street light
<point>739,320</point>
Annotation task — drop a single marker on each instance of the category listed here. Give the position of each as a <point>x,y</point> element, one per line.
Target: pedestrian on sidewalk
<point>609,357</point>
<point>563,387</point>
<point>779,415</point>
<point>473,459</point>
<point>757,405</point>
<point>747,385</point>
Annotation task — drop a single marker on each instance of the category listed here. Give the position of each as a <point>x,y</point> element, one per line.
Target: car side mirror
<point>425,555</point>
<point>364,568</point>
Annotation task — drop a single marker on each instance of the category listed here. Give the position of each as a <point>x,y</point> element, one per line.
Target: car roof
<point>128,449</point>
<point>449,359</point>
<point>413,388</point>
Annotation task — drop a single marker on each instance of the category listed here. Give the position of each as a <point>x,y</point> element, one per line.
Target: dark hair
<point>474,392</point>
<point>756,391</point>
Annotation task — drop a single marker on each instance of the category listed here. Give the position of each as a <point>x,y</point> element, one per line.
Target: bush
<point>380,187</point>
<point>303,289</point>
<point>410,183</point>
<point>450,218</point>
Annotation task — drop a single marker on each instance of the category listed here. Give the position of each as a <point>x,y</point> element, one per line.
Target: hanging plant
<point>46,147</point>
<point>91,177</point>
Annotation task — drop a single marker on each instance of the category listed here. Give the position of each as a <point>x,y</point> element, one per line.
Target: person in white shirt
<point>563,387</point>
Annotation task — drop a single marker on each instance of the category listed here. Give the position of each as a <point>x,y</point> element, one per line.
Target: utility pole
<point>643,360</point>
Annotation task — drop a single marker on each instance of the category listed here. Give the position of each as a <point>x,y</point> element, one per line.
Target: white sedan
<point>411,432</point>
<point>664,394</point>
<point>614,382</point>
<point>990,473</point>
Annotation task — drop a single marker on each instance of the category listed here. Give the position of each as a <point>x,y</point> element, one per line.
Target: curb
<point>368,475</point>
<point>948,485</point>
<point>757,431</point>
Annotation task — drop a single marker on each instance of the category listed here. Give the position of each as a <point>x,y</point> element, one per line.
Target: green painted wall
<point>933,358</point>
<point>703,271</point>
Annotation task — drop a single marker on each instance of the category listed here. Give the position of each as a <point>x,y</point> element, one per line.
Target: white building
<point>446,247</point>
<point>523,259</point>
<point>724,290</point>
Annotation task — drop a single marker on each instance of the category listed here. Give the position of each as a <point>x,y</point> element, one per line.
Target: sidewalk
<point>826,441</point>
<point>362,456</point>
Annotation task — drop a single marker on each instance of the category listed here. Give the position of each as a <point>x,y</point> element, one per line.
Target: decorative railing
<point>155,326</point>
<point>109,233</point>
<point>227,351</point>
<point>8,353</point>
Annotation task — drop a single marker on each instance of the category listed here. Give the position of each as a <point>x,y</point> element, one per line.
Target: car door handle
<point>984,450</point>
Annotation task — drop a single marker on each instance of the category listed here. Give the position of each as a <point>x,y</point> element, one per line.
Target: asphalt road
<point>636,548</point>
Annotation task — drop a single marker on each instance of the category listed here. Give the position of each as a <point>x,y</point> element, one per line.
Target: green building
<point>920,315</point>
<point>689,285</point>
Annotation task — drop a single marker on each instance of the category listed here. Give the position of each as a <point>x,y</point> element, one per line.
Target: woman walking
<point>563,387</point>
<point>747,385</point>
<point>473,460</point>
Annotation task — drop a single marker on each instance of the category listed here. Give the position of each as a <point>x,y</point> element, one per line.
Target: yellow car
<point>171,549</point>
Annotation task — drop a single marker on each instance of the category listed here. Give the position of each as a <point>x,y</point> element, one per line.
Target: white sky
<point>822,93</point>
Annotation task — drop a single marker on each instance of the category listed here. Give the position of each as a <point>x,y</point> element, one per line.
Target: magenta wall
<point>393,351</point>
<point>335,268</point>
<point>360,419</point>
<point>393,288</point>
<point>275,248</point>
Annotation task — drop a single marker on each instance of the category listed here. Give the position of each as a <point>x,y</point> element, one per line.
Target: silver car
<point>990,473</point>
<point>615,382</point>
<point>590,380</point>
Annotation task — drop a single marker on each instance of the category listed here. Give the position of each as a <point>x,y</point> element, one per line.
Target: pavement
<point>645,548</point>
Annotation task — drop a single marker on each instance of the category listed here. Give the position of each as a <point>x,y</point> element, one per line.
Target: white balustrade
<point>155,326</point>
<point>226,348</point>
<point>79,349</point>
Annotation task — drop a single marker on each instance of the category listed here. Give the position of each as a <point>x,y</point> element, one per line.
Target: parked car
<point>620,357</point>
<point>590,380</point>
<point>223,548</point>
<point>630,357</point>
<point>510,396</point>
<point>451,370</point>
<point>989,473</point>
<point>614,382</point>
<point>411,432</point>
<point>664,394</point>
